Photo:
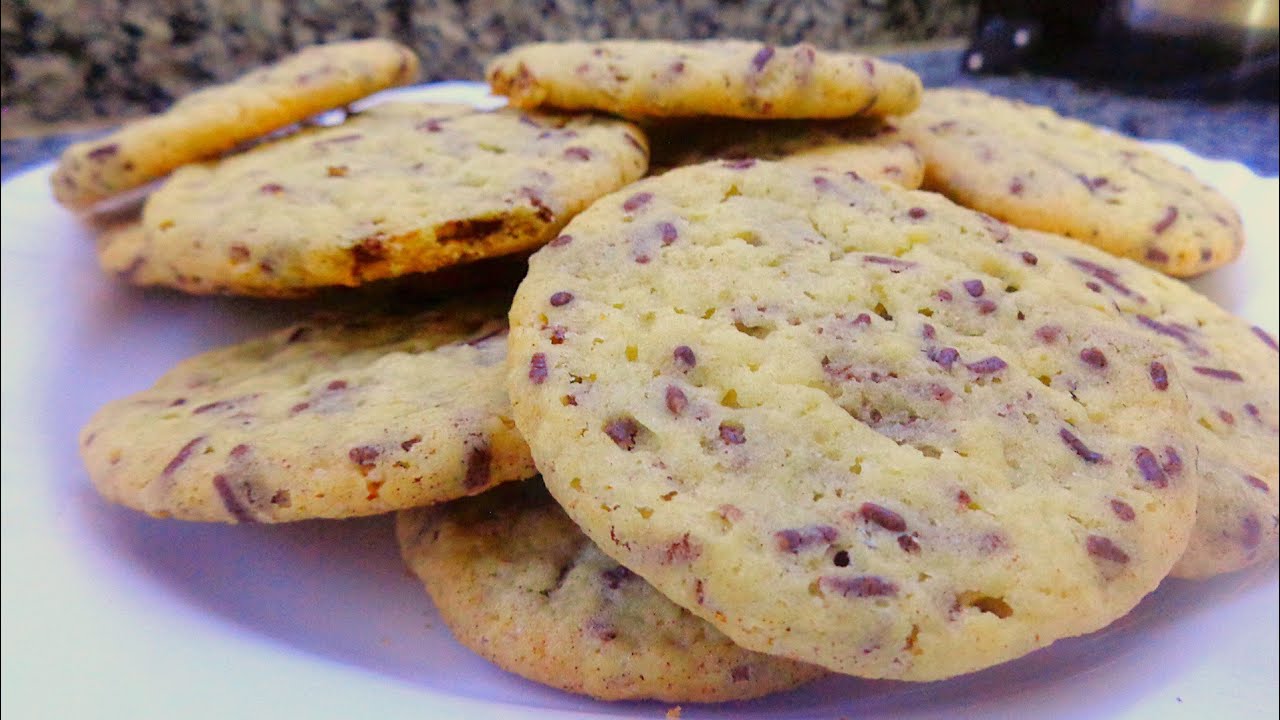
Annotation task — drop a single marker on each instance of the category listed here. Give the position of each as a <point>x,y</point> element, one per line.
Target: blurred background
<point>1202,73</point>
<point>73,62</point>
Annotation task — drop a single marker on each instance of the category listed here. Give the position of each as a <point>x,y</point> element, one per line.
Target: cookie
<point>722,78</point>
<point>871,150</point>
<point>400,188</point>
<point>1029,166</point>
<point>517,582</point>
<point>325,419</point>
<point>850,424</point>
<point>1229,369</point>
<point>216,120</point>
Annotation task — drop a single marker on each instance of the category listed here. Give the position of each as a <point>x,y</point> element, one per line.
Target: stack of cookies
<point>760,409</point>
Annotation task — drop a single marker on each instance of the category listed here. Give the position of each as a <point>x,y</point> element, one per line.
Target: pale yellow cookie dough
<point>849,424</point>
<point>325,419</point>
<point>517,582</point>
<point>1029,166</point>
<point>400,188</point>
<point>724,78</point>
<point>870,150</point>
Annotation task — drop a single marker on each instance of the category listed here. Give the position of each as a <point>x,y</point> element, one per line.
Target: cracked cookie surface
<point>848,424</point>
<point>328,418</point>
<point>517,582</point>
<point>398,189</point>
<point>1031,167</point>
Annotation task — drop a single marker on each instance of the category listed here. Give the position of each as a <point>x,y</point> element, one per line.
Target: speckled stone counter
<point>1248,132</point>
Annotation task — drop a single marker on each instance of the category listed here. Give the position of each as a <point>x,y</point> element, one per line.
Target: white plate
<point>108,613</point>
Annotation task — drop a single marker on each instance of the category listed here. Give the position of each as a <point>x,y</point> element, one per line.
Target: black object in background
<point>1111,43</point>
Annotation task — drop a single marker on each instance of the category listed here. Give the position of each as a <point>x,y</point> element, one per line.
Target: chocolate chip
<point>1093,356</point>
<point>1103,548</point>
<point>1219,373</point>
<point>732,433</point>
<point>637,201</point>
<point>795,540</point>
<point>1165,222</point>
<point>209,407</point>
<point>102,152</point>
<point>762,58</point>
<point>667,232</point>
<point>1123,510</point>
<point>862,586</point>
<point>945,357</point>
<point>895,265</point>
<point>1106,275</point>
<point>684,356</point>
<point>1048,334</point>
<point>1079,447</point>
<point>1258,483</point>
<point>234,507</point>
<point>1150,467</point>
<point>538,368</point>
<point>1159,377</point>
<point>987,366</point>
<point>181,457</point>
<point>676,400</point>
<point>623,432</point>
<point>366,456</point>
<point>1171,330</point>
<point>883,516</point>
<point>1266,338</point>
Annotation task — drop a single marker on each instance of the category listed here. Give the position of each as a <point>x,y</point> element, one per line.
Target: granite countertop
<point>1245,131</point>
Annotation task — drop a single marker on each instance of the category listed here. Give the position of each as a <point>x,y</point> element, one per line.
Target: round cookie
<point>517,582</point>
<point>1029,166</point>
<point>866,148</point>
<point>215,120</point>
<point>723,78</point>
<point>1230,371</point>
<point>400,188</point>
<point>325,419</point>
<point>849,424</point>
